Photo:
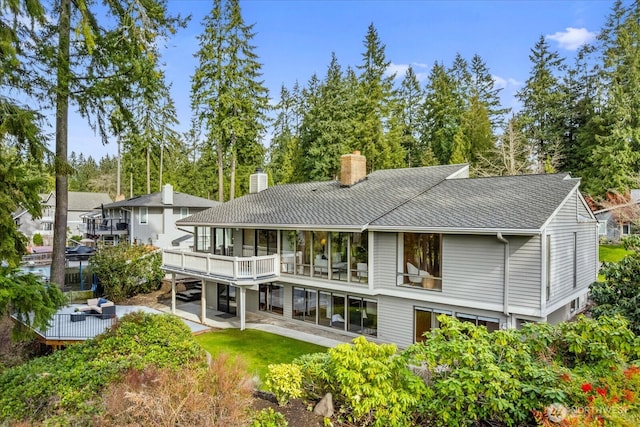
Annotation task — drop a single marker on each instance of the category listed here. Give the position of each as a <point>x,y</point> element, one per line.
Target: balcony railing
<point>76,326</point>
<point>107,226</point>
<point>228,267</point>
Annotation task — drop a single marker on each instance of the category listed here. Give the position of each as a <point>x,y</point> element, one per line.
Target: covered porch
<point>240,272</point>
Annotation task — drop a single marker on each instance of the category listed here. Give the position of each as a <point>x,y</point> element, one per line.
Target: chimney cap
<point>356,152</point>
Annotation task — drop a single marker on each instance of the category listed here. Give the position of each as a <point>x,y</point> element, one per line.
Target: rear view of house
<point>384,254</point>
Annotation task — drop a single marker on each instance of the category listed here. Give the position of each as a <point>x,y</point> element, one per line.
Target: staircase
<point>193,291</point>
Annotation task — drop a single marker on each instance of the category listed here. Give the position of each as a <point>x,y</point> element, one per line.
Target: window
<point>575,260</point>
<point>426,319</point>
<point>422,260</point>
<point>144,215</point>
<point>203,239</point>
<point>305,305</point>
<point>602,227</point>
<point>271,298</point>
<point>339,259</point>
<point>360,257</point>
<point>328,309</point>
<point>223,241</point>
<point>492,324</point>
<point>626,229</point>
<point>548,288</point>
<point>248,242</point>
<point>267,242</point>
<point>320,254</point>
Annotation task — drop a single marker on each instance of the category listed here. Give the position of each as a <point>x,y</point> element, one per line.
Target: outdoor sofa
<point>104,308</point>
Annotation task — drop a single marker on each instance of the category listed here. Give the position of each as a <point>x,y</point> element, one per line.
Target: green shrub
<point>315,374</point>
<point>68,383</point>
<point>284,380</point>
<point>373,385</point>
<point>506,376</point>
<point>269,418</point>
<point>125,271</point>
<point>37,239</point>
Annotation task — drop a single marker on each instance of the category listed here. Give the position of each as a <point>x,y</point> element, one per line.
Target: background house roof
<point>326,203</point>
<point>180,200</point>
<point>84,201</point>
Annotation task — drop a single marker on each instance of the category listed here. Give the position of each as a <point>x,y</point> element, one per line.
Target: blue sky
<point>295,39</point>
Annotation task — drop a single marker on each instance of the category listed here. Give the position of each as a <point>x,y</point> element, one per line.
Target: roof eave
<point>459,230</point>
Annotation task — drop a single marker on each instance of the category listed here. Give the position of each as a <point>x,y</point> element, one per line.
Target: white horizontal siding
<point>473,268</point>
<point>524,271</point>
<point>561,231</point>
<point>395,320</point>
<point>385,259</point>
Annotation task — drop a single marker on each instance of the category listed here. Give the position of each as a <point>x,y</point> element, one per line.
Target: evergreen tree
<point>374,106</point>
<point>542,115</point>
<point>441,109</point>
<point>410,99</point>
<point>616,158</point>
<point>228,98</point>
<point>325,127</point>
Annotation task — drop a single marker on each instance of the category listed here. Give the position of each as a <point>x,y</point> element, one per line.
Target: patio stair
<point>192,293</point>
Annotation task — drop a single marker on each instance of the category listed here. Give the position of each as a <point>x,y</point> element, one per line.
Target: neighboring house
<point>78,203</point>
<point>149,219</point>
<point>620,219</point>
<point>384,254</point>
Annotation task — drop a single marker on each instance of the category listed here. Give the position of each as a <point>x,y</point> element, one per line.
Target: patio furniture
<point>104,308</point>
<point>415,274</point>
<point>78,317</point>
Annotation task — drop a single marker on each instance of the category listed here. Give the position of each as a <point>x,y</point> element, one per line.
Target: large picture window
<point>426,319</point>
<point>351,313</point>
<point>272,298</point>
<point>203,239</point>
<point>422,260</point>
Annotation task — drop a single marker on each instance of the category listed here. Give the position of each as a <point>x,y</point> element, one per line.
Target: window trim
<point>143,217</point>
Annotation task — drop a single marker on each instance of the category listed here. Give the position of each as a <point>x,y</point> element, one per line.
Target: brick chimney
<point>353,168</point>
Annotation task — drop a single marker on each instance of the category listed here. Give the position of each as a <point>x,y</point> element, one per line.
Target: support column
<point>243,293</point>
<point>173,293</point>
<point>203,302</point>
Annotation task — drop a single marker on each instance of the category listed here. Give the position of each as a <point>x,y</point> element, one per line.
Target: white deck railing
<point>236,268</point>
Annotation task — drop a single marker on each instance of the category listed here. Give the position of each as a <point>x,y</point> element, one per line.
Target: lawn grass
<point>257,348</point>
<point>612,253</point>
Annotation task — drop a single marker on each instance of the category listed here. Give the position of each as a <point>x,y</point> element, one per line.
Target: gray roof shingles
<point>325,203</point>
<point>181,200</point>
<point>410,198</point>
<point>523,202</point>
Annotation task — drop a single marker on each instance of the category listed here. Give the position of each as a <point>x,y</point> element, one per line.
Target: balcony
<point>236,270</point>
<point>106,227</point>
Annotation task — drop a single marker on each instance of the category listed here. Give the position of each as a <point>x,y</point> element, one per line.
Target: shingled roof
<point>413,198</point>
<point>523,202</point>
<point>154,200</point>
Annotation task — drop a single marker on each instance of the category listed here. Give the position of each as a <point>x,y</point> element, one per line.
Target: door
<point>227,298</point>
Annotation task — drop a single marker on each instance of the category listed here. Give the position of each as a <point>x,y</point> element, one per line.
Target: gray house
<point>149,219</point>
<point>78,203</point>
<point>384,254</point>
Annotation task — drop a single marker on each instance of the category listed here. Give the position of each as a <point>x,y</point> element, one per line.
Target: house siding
<point>473,268</point>
<point>562,229</point>
<point>395,320</point>
<point>525,284</point>
<point>385,260</point>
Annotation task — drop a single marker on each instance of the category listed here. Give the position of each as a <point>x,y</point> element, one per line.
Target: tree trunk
<point>148,169</point>
<point>61,165</point>
<point>220,174</point>
<point>232,180</point>
<point>160,178</point>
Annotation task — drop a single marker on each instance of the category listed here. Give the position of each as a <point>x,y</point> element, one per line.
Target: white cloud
<point>572,38</point>
<point>504,83</point>
<point>401,69</point>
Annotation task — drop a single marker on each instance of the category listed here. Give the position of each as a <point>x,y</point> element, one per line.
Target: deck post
<point>243,292</point>
<point>203,302</point>
<point>173,293</point>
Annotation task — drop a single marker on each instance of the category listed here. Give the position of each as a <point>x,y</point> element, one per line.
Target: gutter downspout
<point>505,300</point>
